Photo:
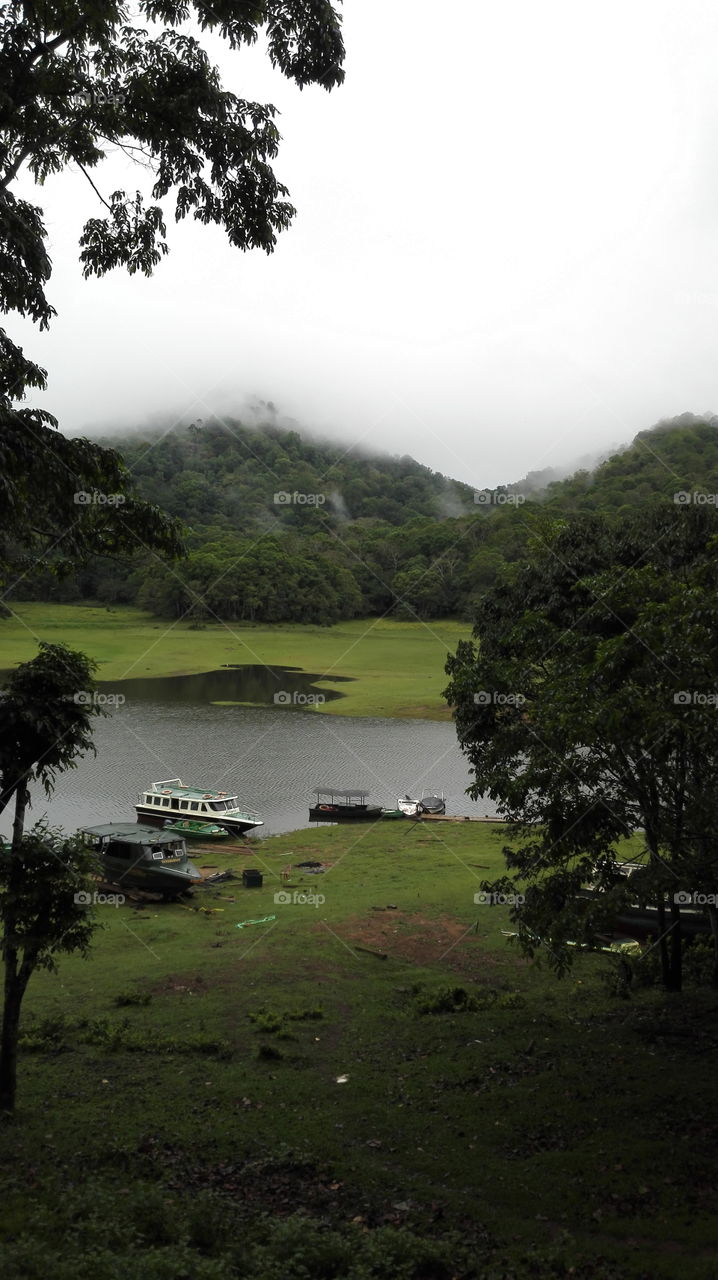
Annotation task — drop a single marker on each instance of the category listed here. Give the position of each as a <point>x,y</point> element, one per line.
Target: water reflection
<point>257,685</point>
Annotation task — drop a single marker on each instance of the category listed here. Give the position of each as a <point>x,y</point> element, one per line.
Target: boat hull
<point>233,826</point>
<point>344,813</point>
<point>169,881</point>
<point>641,923</point>
<point>198,831</point>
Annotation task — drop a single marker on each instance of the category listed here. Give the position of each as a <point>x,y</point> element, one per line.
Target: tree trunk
<point>663,931</point>
<point>13,994</point>
<point>15,981</point>
<point>713,917</point>
<point>676,968</point>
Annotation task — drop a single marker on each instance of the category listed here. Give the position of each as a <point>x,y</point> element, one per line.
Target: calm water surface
<point>272,756</point>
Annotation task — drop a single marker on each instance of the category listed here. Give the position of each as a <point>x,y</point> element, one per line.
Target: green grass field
<point>317,1091</point>
<point>398,667</point>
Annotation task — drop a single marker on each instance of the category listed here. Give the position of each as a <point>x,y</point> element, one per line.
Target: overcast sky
<point>505,254</point>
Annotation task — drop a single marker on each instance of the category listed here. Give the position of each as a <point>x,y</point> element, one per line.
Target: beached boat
<point>197,830</point>
<point>172,799</point>
<point>433,804</point>
<point>135,855</point>
<point>409,808</point>
<point>636,920</point>
<point>335,805</point>
<point>415,808</point>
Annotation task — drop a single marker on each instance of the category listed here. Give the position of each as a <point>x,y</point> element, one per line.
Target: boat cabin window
<point>184,804</point>
<point>193,804</point>
<point>117,850</point>
<point>166,800</point>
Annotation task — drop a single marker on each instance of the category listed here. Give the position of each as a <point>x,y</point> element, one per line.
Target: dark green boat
<point>137,856</point>
<point>197,830</point>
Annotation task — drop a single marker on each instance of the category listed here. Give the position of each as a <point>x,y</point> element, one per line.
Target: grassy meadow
<point>396,668</point>
<point>372,1085</point>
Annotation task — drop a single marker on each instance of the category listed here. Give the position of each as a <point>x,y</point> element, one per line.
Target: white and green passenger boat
<point>172,799</point>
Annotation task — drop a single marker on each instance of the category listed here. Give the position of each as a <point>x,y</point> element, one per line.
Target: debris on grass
<point>261,920</point>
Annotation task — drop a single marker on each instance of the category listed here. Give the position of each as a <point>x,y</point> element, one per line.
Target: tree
<point>78,80</point>
<point>46,713</point>
<point>44,883</point>
<point>588,711</point>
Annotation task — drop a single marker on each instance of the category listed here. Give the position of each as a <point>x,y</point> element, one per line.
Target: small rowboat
<point>197,830</point>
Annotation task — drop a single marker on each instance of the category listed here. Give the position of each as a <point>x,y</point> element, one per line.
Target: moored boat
<point>336,805</point>
<point>172,799</point>
<point>410,808</point>
<point>636,920</point>
<point>136,855</point>
<point>197,830</point>
<point>428,804</point>
<point>433,804</point>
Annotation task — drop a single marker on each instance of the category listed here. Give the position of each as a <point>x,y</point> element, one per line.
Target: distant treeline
<point>286,529</point>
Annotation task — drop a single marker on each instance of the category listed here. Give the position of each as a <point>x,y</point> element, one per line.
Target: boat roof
<point>191,793</point>
<point>337,791</point>
<point>132,833</point>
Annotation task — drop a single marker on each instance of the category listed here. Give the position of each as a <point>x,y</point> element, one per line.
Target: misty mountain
<point>285,528</point>
<point>238,475</point>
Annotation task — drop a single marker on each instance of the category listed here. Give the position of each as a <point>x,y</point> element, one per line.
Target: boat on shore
<point>137,856</point>
<point>417,808</point>
<point>197,830</point>
<point>336,805</point>
<point>172,799</point>
<point>637,920</point>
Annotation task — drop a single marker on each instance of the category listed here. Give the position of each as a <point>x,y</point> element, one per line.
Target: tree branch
<point>94,188</point>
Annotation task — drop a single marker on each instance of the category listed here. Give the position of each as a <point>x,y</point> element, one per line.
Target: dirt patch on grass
<point>418,939</point>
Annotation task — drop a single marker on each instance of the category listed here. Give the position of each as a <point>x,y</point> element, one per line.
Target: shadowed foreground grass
<point>372,1085</point>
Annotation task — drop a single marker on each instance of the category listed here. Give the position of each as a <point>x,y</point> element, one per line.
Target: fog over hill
<point>283,526</point>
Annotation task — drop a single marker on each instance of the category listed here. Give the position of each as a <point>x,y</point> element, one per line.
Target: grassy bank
<point>396,668</point>
<point>376,1076</point>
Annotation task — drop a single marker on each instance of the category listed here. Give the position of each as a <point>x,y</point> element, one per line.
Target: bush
<point>132,997</point>
<point>459,1000</point>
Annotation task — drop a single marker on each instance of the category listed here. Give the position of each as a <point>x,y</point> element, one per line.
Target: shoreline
<point>380,667</point>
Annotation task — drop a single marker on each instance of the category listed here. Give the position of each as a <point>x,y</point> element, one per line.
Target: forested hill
<point>232,474</point>
<point>283,528</point>
<point>676,456</point>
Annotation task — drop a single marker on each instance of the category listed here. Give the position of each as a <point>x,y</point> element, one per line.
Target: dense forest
<point>281,527</point>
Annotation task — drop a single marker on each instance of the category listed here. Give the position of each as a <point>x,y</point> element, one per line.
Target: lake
<point>272,755</point>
